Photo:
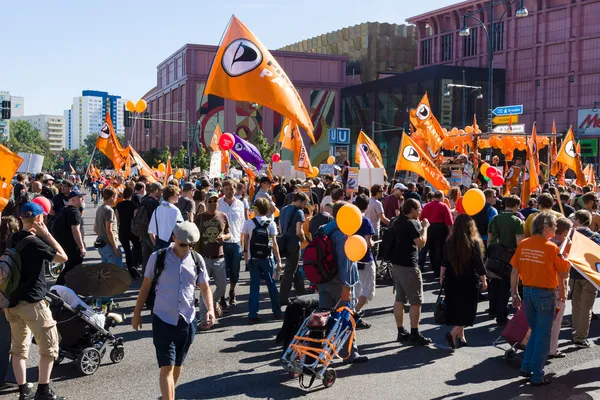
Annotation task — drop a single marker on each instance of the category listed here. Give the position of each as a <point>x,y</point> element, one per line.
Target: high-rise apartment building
<point>52,128</point>
<point>87,113</point>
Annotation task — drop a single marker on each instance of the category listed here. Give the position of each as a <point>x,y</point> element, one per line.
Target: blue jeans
<point>262,269</point>
<point>4,346</point>
<point>539,306</point>
<point>233,259</point>
<point>107,255</point>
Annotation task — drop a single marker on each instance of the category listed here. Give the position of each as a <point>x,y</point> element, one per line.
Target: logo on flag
<point>105,131</point>
<point>423,112</point>
<point>510,174</point>
<point>241,57</point>
<point>411,154</point>
<point>570,149</point>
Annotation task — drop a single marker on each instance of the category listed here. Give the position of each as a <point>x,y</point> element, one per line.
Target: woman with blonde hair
<point>461,275</point>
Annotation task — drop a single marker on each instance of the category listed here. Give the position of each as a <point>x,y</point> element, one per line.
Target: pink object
<point>44,202</point>
<point>491,172</point>
<point>498,180</point>
<point>276,157</point>
<point>226,141</point>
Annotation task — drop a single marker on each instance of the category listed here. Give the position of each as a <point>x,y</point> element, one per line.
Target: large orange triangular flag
<point>168,172</point>
<point>8,168</point>
<point>142,167</point>
<point>584,256</point>
<point>365,146</point>
<point>244,70</point>
<point>423,119</point>
<point>214,142</point>
<point>590,175</point>
<point>535,149</point>
<point>569,156</point>
<point>412,158</point>
<point>109,145</point>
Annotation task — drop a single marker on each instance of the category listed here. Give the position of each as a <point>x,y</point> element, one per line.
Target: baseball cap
<point>31,210</point>
<point>400,186</point>
<point>186,232</point>
<point>48,177</point>
<point>204,182</point>
<point>210,195</point>
<point>188,186</point>
<point>75,193</point>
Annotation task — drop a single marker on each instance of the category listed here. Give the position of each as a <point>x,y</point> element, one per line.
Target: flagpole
<point>87,171</point>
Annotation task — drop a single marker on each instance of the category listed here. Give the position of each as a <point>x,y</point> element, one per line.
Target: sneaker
<point>362,324</point>
<point>28,396</point>
<point>232,301</point>
<point>419,339</point>
<point>218,310</point>
<point>582,345</point>
<point>223,303</point>
<point>358,359</point>
<point>255,320</point>
<point>50,395</point>
<point>565,323</point>
<point>403,336</point>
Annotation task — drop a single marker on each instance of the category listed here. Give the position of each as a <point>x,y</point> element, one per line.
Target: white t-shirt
<point>375,208</point>
<point>236,215</point>
<point>249,226</point>
<point>245,201</point>
<point>168,216</point>
<point>327,199</point>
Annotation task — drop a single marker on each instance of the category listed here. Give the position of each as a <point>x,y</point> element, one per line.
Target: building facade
<point>372,48</point>
<point>87,114</point>
<point>52,128</point>
<point>179,96</point>
<point>551,57</point>
<point>17,109</point>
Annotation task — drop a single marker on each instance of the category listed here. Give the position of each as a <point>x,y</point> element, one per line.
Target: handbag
<point>498,261</point>
<point>440,311</point>
<point>99,243</point>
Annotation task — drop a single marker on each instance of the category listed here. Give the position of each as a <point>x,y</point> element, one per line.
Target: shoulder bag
<point>440,311</point>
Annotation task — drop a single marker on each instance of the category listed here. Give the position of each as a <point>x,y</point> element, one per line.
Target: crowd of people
<point>151,229</point>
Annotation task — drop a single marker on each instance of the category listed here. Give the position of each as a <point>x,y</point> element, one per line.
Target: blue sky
<point>56,49</point>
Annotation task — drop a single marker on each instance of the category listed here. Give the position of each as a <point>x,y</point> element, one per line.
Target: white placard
<point>299,175</point>
<point>215,165</point>
<point>467,177</point>
<point>32,163</point>
<point>235,173</point>
<point>282,168</point>
<point>367,177</point>
<point>326,169</point>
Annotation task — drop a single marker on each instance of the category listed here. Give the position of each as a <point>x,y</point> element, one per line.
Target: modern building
<point>372,48</point>
<point>551,57</point>
<point>87,114</point>
<point>179,96</point>
<point>52,128</point>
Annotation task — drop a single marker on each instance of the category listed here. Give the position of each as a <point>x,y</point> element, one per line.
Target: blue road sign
<point>343,136</point>
<point>332,135</point>
<point>508,110</point>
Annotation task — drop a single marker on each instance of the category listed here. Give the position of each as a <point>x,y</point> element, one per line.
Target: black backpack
<point>140,221</point>
<point>159,267</point>
<point>260,246</point>
<point>388,241</point>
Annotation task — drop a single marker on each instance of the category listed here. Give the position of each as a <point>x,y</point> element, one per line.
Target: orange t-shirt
<point>538,262</point>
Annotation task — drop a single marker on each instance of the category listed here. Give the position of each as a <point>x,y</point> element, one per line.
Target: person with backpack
<point>186,202</point>
<point>125,211</point>
<point>174,273</point>
<point>164,218</point>
<point>67,231</point>
<point>291,219</point>
<point>260,246</point>
<point>141,220</point>
<point>28,311</point>
<point>214,230</point>
<point>8,226</point>
<point>484,217</point>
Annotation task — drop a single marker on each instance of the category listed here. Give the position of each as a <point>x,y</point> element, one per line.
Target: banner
<point>109,145</point>
<point>570,158</point>
<point>214,170</point>
<point>143,169</point>
<point>352,185</point>
<point>412,158</point>
<point>584,257</point>
<point>365,146</point>
<point>30,163</point>
<point>247,152</point>
<point>423,119</point>
<point>244,70</point>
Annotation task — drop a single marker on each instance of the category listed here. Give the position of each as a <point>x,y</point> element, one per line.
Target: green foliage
<point>201,159</point>
<point>155,156</point>
<point>25,138</point>
<point>180,160</point>
<point>266,149</point>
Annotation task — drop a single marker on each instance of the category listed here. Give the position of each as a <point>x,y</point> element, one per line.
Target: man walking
<point>440,219</point>
<point>164,218</point>
<point>139,193</point>
<point>409,236</point>
<point>67,231</point>
<point>107,229</point>
<point>234,209</point>
<point>186,203</point>
<point>173,324</point>
<point>29,312</point>
<point>214,229</point>
<point>291,220</point>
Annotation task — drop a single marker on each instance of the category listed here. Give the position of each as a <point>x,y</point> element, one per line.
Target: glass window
<point>426,52</point>
<point>470,44</point>
<point>498,36</point>
<point>447,41</point>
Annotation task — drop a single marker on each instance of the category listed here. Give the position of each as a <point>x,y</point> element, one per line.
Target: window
<point>470,44</point>
<point>446,47</point>
<point>498,36</point>
<point>426,52</point>
<point>179,63</point>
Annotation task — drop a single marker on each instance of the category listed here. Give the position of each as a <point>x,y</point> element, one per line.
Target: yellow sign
<point>505,119</point>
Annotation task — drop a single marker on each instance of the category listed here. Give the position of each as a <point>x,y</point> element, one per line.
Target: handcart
<point>515,335</point>
<point>318,341</point>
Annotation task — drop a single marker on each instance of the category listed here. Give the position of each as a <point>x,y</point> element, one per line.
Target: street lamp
<point>521,12</point>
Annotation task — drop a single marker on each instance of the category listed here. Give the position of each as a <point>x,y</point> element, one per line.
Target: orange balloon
<point>473,201</point>
<point>330,160</point>
<point>141,106</point>
<point>349,219</point>
<point>355,248</point>
<point>469,129</point>
<point>162,167</point>
<point>315,171</point>
<point>130,106</point>
<point>178,174</point>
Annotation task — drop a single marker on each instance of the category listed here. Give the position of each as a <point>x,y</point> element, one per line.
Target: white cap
<point>48,177</point>
<point>400,186</point>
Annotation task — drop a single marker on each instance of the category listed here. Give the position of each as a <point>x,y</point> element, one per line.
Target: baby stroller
<point>82,337</point>
<point>320,338</point>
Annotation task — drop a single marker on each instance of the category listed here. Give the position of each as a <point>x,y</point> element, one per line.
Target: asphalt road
<point>236,360</point>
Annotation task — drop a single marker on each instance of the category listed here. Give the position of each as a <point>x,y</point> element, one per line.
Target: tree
<point>266,149</point>
<point>202,158</point>
<point>25,138</point>
<point>180,160</point>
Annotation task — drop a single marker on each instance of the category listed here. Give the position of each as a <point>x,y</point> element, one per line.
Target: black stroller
<point>81,338</point>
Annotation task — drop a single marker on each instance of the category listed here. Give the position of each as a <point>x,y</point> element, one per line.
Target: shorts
<point>365,286</point>
<point>26,318</point>
<point>172,342</point>
<point>408,284</point>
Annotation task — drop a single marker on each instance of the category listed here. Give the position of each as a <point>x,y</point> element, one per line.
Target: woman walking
<point>461,274</point>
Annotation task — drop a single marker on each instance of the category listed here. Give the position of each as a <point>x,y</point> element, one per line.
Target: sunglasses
<point>186,245</point>
<point>211,201</point>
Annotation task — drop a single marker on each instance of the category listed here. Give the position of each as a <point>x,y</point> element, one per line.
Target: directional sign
<point>332,135</point>
<point>505,120</point>
<point>516,128</point>
<point>507,110</point>
<point>343,136</point>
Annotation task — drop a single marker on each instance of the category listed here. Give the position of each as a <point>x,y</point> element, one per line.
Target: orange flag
<point>142,168</point>
<point>214,142</point>
<point>584,256</point>
<point>476,131</point>
<point>370,149</point>
<point>244,70</point>
<point>590,175</point>
<point>569,156</point>
<point>554,166</point>
<point>109,145</point>
<point>412,158</point>
<point>249,172</point>
<point>168,172</point>
<point>531,180</point>
<point>9,165</point>
<point>288,130</point>
<point>512,177</point>
<point>535,149</point>
<point>422,118</point>
<point>301,159</point>
<point>127,173</point>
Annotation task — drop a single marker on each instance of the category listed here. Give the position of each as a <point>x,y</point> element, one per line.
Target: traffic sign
<point>516,128</point>
<point>505,120</point>
<point>339,136</point>
<point>507,110</point>
<point>332,135</point>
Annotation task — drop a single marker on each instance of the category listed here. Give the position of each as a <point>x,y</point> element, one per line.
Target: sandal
<point>558,354</point>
